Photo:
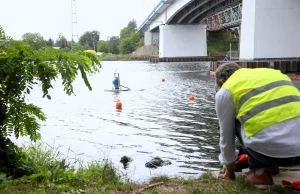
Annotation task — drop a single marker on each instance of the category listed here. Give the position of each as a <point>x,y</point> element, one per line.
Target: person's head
<point>224,72</point>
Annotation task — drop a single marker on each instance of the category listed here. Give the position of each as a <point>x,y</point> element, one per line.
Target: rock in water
<point>156,162</point>
<point>125,159</point>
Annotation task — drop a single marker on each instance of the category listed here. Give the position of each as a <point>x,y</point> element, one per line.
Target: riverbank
<point>52,172</point>
<point>161,185</point>
<point>125,57</point>
<point>218,44</point>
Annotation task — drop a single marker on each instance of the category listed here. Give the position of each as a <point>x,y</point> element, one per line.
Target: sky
<point>52,17</point>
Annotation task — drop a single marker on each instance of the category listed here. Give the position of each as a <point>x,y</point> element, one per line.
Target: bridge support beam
<point>182,41</point>
<point>151,37</point>
<point>270,29</point>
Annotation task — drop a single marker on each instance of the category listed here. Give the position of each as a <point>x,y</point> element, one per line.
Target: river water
<point>157,118</point>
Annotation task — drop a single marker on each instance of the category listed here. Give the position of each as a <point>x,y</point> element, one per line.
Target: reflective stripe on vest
<point>268,105</point>
<point>261,89</point>
<point>262,97</point>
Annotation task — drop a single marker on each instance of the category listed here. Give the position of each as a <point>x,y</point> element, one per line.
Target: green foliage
<point>51,171</point>
<point>131,27</point>
<point>50,42</point>
<point>102,46</point>
<point>35,40</point>
<point>113,45</point>
<point>90,38</point>
<point>125,57</point>
<point>129,41</point>
<point>78,47</point>
<point>61,41</point>
<point>3,35</point>
<point>218,43</point>
<point>126,45</point>
<point>129,38</point>
<point>21,68</point>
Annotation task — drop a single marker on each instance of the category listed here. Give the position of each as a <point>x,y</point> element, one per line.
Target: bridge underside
<point>269,28</point>
<point>198,10</point>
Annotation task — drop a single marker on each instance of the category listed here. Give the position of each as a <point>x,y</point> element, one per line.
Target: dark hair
<point>225,71</point>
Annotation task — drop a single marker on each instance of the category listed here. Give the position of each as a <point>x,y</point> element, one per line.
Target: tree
<point>131,27</point>
<point>90,38</point>
<point>61,41</point>
<point>126,45</point>
<point>129,38</point>
<point>113,45</point>
<point>35,40</point>
<point>102,46</point>
<point>78,47</point>
<point>21,68</point>
<point>50,42</point>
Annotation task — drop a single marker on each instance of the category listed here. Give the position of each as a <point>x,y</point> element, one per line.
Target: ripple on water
<point>157,118</point>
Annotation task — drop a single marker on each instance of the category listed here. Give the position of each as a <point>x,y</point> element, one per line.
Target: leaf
<point>24,67</point>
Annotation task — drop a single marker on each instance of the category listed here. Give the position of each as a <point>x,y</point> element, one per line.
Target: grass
<point>53,172</point>
<point>123,57</point>
<point>208,184</point>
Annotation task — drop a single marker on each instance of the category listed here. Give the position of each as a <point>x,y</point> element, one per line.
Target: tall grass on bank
<point>52,172</point>
<point>124,57</point>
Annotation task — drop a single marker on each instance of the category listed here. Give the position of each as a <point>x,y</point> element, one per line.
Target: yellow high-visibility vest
<point>262,97</point>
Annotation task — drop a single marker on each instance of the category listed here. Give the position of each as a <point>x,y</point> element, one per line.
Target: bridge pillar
<point>147,38</point>
<point>182,41</point>
<point>151,37</point>
<point>270,29</point>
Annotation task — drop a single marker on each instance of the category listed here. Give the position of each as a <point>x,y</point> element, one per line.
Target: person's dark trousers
<point>258,160</point>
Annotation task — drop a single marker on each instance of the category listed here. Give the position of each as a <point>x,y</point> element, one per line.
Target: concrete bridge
<point>269,29</point>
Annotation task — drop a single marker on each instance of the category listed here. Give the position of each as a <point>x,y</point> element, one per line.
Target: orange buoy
<point>119,105</point>
<point>163,80</point>
<point>191,97</point>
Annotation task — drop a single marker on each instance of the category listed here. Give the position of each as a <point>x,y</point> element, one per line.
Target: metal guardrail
<point>227,18</point>
<point>151,14</point>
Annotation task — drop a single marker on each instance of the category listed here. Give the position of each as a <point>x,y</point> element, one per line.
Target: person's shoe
<point>261,180</point>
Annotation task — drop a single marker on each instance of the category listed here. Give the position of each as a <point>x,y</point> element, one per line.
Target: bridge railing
<point>151,14</point>
<point>227,18</point>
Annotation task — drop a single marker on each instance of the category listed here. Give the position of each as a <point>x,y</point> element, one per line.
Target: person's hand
<point>223,170</point>
<point>228,171</point>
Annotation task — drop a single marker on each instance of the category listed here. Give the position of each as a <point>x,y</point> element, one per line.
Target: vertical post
<point>166,16</point>
<point>230,52</point>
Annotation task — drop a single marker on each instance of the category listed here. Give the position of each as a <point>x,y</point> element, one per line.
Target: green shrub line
<point>50,171</point>
<point>48,168</point>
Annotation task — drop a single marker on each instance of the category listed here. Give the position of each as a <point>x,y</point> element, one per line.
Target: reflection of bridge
<point>269,28</point>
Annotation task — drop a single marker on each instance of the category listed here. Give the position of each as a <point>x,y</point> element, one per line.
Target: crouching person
<point>267,107</point>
